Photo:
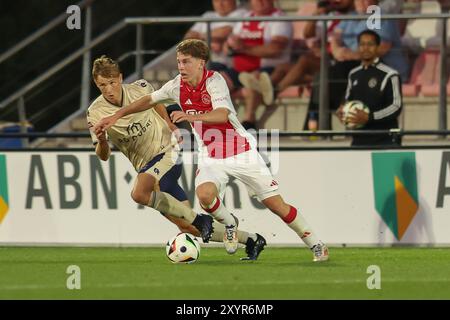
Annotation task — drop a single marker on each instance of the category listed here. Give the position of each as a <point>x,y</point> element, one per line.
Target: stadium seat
<point>423,73</point>
<point>421,34</point>
<point>432,90</point>
<point>295,92</point>
<point>291,92</point>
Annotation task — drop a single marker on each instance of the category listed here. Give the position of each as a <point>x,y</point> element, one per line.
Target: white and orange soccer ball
<point>350,107</point>
<point>183,248</point>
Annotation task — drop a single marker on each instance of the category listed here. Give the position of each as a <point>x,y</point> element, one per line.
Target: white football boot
<point>230,239</point>
<point>320,252</point>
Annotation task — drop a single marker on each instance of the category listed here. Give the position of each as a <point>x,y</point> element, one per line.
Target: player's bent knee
<point>140,197</point>
<point>206,195</point>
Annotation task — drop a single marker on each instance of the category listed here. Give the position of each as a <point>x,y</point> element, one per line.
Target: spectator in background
<point>378,86</point>
<point>257,46</point>
<point>391,6</point>
<point>445,5</point>
<point>307,64</point>
<point>344,45</point>
<point>345,54</point>
<point>219,31</point>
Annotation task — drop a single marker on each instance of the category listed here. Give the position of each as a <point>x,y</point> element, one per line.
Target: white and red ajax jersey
<point>218,140</point>
<point>256,33</point>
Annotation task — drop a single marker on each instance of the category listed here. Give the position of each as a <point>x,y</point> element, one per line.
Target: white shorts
<point>247,167</point>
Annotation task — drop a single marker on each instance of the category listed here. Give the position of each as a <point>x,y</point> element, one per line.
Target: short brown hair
<point>105,67</point>
<point>195,48</point>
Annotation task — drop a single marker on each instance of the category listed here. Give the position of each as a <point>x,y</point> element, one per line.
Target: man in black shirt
<point>378,86</point>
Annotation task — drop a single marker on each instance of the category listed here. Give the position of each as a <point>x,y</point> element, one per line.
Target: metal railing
<point>306,133</point>
<point>272,145</point>
<point>40,32</point>
<point>323,105</point>
<point>84,4</point>
<point>24,90</point>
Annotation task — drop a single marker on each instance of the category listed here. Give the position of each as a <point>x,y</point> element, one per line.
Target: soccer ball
<point>350,107</point>
<point>183,248</point>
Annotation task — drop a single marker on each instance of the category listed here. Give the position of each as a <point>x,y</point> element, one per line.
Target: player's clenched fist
<point>100,134</point>
<point>178,116</point>
<point>104,124</point>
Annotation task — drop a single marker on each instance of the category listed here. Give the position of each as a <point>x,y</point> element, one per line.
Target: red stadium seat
<point>432,90</point>
<point>423,74</point>
<point>291,92</point>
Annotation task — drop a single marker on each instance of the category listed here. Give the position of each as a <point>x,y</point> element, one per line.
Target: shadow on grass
<point>265,263</point>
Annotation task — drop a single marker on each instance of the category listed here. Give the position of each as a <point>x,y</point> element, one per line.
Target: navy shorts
<point>169,181</point>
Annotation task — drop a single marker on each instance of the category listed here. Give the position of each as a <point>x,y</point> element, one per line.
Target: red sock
<point>291,215</point>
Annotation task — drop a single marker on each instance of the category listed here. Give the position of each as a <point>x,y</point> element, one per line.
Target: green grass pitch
<point>280,273</point>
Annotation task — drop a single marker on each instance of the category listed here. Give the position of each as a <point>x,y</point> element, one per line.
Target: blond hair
<point>195,48</point>
<point>105,67</point>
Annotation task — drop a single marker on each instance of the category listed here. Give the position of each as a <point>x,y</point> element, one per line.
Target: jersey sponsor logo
<point>206,99</point>
<point>248,34</point>
<point>188,101</point>
<point>193,111</point>
<point>372,82</point>
<point>135,130</point>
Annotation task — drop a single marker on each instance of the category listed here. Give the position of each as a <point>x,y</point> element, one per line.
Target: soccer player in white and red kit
<point>226,149</point>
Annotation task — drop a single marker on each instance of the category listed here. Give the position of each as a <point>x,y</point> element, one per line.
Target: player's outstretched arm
<point>139,105</point>
<point>142,104</point>
<point>219,115</point>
